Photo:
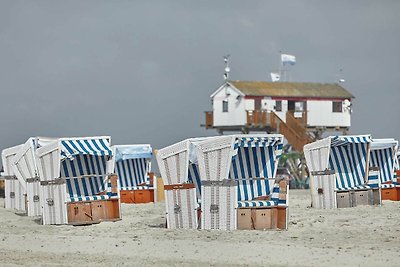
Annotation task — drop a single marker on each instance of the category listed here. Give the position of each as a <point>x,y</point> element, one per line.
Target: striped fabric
<point>142,187</point>
<point>383,158</point>
<point>373,180</point>
<point>348,158</point>
<point>275,200</point>
<point>89,198</point>
<point>194,177</point>
<point>358,187</point>
<point>84,188</point>
<point>257,141</point>
<point>344,140</point>
<point>255,158</point>
<point>256,203</point>
<point>388,185</point>
<point>396,179</point>
<point>132,173</point>
<point>95,147</point>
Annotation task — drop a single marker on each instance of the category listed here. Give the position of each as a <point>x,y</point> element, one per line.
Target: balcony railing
<point>261,118</point>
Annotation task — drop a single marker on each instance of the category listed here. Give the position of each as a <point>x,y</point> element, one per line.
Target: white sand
<point>361,236</point>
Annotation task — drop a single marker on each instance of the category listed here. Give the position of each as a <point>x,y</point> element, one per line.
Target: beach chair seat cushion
<point>92,198</point>
<point>355,188</point>
<point>388,186</point>
<point>142,187</point>
<point>256,203</point>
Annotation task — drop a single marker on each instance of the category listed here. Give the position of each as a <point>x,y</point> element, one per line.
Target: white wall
<point>320,114</point>
<point>269,104</point>
<point>236,114</point>
<point>249,104</point>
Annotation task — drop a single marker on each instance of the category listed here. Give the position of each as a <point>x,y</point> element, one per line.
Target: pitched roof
<point>292,89</point>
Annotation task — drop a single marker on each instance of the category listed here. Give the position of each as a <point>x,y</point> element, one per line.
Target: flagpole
<point>280,63</point>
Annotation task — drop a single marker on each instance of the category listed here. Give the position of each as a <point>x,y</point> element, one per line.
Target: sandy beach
<point>361,236</point>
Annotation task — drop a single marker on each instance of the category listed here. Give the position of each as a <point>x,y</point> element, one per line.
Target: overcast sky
<point>143,72</point>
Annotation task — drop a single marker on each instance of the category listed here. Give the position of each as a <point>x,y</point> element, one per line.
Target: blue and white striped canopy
<point>355,139</point>
<point>90,146</point>
<point>132,165</point>
<point>348,157</point>
<point>82,188</point>
<point>124,152</point>
<point>132,172</point>
<point>255,158</point>
<point>382,155</point>
<point>257,141</point>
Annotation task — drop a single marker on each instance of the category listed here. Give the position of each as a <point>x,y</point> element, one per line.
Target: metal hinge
<point>325,172</point>
<point>50,201</point>
<point>177,208</point>
<point>32,180</point>
<point>214,208</point>
<point>9,177</point>
<point>53,182</point>
<point>225,182</point>
<point>12,194</point>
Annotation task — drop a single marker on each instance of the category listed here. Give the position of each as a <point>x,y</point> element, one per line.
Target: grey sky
<point>142,72</point>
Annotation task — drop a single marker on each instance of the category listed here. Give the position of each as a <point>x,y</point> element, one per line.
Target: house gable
<point>222,87</point>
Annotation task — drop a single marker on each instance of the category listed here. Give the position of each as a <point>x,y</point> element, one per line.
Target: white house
<point>258,105</point>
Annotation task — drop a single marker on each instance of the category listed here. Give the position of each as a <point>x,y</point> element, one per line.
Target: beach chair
<point>383,157</point>
<point>340,173</point>
<point>179,171</point>
<point>238,185</point>
<point>396,178</point>
<point>25,169</point>
<point>15,191</point>
<point>132,164</point>
<point>75,186</point>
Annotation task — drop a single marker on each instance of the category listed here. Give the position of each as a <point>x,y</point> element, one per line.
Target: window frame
<point>278,107</point>
<point>225,106</point>
<point>337,106</point>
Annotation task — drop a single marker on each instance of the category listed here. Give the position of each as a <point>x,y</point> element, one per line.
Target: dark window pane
<point>336,106</point>
<point>278,105</point>
<point>225,106</point>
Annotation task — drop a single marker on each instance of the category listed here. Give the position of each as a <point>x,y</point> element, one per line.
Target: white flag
<point>275,77</point>
<point>288,59</point>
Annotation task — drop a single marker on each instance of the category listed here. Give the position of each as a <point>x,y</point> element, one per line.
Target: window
<point>298,106</point>
<point>337,106</point>
<point>278,105</point>
<point>225,106</point>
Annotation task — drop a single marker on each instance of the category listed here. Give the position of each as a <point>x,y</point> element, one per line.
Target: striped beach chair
<point>238,186</point>
<point>345,161</point>
<point>396,179</point>
<point>383,157</point>
<point>74,181</point>
<point>132,164</point>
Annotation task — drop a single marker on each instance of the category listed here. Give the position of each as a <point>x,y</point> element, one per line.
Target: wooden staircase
<point>294,130</point>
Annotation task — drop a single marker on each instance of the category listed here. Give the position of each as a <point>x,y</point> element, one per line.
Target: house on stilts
<point>300,111</point>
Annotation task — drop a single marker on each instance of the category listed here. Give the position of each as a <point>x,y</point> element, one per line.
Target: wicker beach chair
<point>75,186</point>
